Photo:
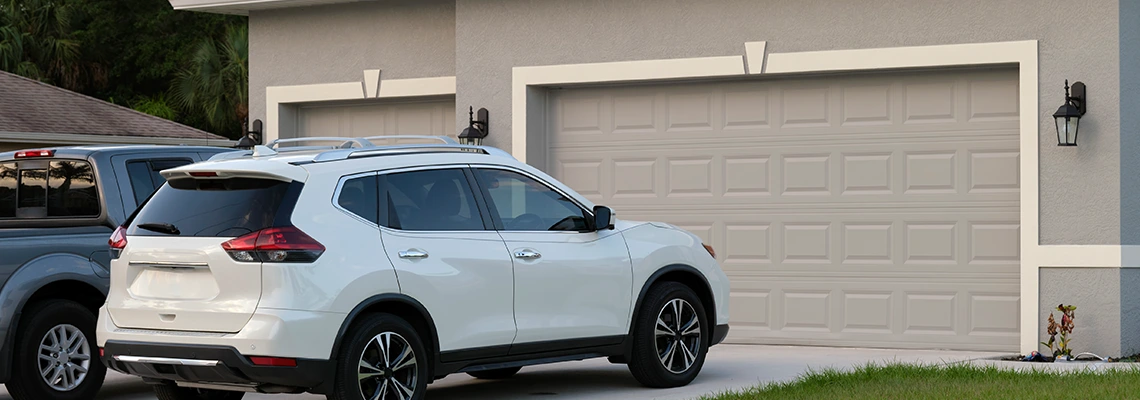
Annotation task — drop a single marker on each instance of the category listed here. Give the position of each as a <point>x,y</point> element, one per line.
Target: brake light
<point>118,239</point>
<point>274,361</point>
<point>34,153</point>
<point>282,244</point>
<point>204,174</point>
<point>710,250</point>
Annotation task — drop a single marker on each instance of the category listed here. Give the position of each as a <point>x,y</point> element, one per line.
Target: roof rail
<point>444,139</point>
<point>341,154</point>
<point>346,142</point>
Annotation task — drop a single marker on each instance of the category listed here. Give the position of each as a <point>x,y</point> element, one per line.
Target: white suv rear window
<point>211,207</point>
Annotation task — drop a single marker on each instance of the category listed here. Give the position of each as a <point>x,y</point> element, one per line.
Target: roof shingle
<point>30,106</point>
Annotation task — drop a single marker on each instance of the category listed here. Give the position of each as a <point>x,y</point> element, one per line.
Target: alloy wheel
<point>677,336</point>
<point>388,368</point>
<point>64,357</point>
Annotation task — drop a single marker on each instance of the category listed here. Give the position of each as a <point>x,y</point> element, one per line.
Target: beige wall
<point>305,45</point>
<point>479,41</point>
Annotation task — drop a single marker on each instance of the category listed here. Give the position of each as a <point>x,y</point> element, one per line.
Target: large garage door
<point>435,117</point>
<point>873,210</point>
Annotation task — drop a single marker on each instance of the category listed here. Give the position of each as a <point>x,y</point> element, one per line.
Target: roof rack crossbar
<point>342,154</point>
<point>346,142</point>
<point>444,139</point>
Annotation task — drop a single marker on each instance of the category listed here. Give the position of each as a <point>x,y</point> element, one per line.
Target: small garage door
<point>874,210</point>
<point>436,117</point>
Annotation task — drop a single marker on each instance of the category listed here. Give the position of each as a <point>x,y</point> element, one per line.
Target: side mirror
<point>603,218</point>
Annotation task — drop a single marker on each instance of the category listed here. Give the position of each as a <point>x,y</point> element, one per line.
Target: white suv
<point>365,272</point>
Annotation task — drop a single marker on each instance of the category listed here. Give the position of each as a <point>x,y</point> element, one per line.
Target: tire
<point>171,392</point>
<point>645,362</point>
<point>44,323</point>
<point>501,373</point>
<point>365,343</point>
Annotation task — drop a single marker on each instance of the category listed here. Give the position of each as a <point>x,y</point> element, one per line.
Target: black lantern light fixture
<point>251,138</point>
<point>476,129</point>
<point>1068,116</point>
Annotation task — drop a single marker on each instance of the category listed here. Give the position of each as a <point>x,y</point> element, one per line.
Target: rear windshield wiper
<point>160,227</point>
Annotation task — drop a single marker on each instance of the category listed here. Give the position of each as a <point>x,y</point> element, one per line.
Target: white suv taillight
<point>281,244</point>
<point>118,239</point>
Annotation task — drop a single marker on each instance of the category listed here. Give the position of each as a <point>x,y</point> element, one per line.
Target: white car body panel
<point>465,282</point>
<point>653,246</point>
<point>577,288</point>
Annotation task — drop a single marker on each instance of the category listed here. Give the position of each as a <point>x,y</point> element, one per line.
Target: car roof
<point>84,151</point>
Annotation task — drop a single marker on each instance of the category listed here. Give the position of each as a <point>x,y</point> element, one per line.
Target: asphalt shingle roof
<point>30,106</point>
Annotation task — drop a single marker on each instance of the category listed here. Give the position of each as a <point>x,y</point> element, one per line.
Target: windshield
<point>210,207</point>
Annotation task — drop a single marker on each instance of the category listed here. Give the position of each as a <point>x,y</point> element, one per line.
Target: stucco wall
<point>1097,293</point>
<point>1130,127</point>
<point>336,43</point>
<point>1080,202</point>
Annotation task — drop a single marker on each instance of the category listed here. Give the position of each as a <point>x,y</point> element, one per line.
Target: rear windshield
<point>48,189</point>
<point>210,207</point>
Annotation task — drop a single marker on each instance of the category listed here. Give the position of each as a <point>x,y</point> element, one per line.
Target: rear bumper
<point>214,365</point>
<point>719,333</point>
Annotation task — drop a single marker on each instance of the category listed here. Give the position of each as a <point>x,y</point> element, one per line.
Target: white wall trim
<point>754,55</point>
<point>1022,53</point>
<point>79,139</point>
<point>372,86</point>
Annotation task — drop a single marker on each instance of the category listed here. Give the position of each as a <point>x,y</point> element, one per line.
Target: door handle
<point>527,254</point>
<point>413,253</point>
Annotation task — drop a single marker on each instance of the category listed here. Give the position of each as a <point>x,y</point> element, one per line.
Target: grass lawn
<point>958,381</point>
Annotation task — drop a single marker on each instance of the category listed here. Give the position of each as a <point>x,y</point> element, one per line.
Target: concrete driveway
<point>728,367</point>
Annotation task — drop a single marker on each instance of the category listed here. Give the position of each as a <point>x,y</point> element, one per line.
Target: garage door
<point>436,117</point>
<point>873,210</point>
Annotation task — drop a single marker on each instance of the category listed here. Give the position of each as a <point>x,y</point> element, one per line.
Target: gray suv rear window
<point>211,207</point>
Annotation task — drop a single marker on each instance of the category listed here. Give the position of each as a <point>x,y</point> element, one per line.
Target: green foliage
<point>1064,329</point>
<point>124,51</point>
<point>216,79</point>
<point>157,106</point>
<point>953,381</point>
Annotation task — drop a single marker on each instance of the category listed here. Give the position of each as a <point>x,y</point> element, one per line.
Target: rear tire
<point>670,337</point>
<point>171,392</point>
<point>501,373</point>
<point>382,352</point>
<point>55,324</point>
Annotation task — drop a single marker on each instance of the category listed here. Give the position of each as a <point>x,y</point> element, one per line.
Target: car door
<point>448,257</point>
<point>570,282</point>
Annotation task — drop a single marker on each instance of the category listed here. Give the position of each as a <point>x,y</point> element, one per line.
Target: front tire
<point>501,373</point>
<point>670,337</point>
<point>383,358</point>
<point>171,392</point>
<point>55,353</point>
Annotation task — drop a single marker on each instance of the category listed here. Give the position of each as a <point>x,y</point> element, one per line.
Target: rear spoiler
<point>239,168</point>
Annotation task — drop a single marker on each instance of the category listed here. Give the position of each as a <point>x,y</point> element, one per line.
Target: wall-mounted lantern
<point>1068,116</point>
<point>251,138</point>
<point>476,129</point>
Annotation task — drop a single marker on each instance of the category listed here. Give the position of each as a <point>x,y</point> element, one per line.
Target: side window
<point>358,196</point>
<point>71,190</point>
<point>431,200</point>
<point>524,204</point>
<point>145,178</point>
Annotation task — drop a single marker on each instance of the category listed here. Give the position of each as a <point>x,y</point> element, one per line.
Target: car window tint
<point>525,204</point>
<point>71,190</point>
<point>8,190</point>
<point>431,200</point>
<point>145,177</point>
<point>358,196</point>
<point>212,207</point>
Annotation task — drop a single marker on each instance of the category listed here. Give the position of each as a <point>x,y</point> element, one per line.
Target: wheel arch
<point>73,279</point>
<point>683,274</point>
<point>397,304</point>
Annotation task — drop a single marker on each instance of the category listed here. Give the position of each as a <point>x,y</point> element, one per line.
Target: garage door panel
<point>852,210</point>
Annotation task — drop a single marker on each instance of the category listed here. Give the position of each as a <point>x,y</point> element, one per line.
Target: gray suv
<point>58,208</point>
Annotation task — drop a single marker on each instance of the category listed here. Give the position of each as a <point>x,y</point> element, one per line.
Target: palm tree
<point>216,81</point>
<point>38,41</point>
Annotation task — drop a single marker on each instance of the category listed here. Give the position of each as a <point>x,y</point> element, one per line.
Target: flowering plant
<point>1061,347</point>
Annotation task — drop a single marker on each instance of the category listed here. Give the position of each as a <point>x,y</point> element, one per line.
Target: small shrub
<point>1060,348</point>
